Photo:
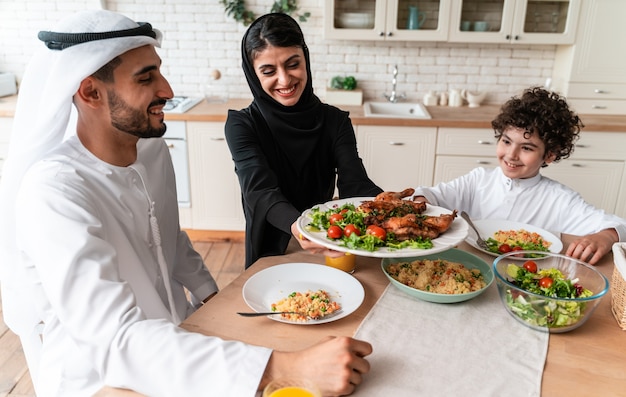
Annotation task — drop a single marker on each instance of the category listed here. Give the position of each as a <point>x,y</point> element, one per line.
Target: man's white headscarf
<point>76,48</point>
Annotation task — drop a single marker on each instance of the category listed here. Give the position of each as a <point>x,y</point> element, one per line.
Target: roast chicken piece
<point>412,226</point>
<point>391,196</point>
<point>385,209</point>
<point>402,217</point>
<point>388,204</point>
<point>442,222</point>
<point>409,227</point>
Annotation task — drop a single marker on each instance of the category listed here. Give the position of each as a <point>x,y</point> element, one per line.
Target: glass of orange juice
<point>291,388</point>
<point>346,262</point>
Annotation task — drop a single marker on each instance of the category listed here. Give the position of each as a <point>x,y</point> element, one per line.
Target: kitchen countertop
<point>442,116</point>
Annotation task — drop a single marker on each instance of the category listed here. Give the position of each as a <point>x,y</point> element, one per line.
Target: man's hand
<point>336,365</point>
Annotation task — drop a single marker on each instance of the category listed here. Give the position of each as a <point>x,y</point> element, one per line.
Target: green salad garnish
<point>551,283</point>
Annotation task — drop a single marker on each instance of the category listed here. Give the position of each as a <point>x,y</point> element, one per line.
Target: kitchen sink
<point>396,110</point>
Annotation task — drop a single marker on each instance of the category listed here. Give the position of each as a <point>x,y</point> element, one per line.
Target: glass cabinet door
<point>549,22</point>
<point>354,19</point>
<point>418,20</point>
<point>514,21</point>
<point>387,19</point>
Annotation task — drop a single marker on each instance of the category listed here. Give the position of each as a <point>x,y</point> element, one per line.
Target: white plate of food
<point>455,234</point>
<point>275,283</point>
<point>525,233</point>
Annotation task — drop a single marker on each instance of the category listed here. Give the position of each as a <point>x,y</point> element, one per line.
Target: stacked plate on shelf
<point>355,20</point>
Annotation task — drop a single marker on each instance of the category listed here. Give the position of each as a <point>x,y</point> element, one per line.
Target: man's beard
<point>132,121</point>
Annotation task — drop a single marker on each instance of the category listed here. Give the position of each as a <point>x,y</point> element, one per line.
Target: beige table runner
<point>472,349</point>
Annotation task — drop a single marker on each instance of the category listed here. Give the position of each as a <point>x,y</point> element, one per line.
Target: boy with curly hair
<point>532,131</point>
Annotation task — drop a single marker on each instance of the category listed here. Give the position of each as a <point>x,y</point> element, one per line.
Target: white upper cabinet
<point>598,56</point>
<point>406,20</point>
<point>592,73</point>
<point>514,21</point>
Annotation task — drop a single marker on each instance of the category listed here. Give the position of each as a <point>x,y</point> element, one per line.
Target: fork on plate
<point>259,314</point>
<point>479,240</point>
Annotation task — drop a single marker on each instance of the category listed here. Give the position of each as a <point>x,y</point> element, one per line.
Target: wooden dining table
<point>588,361</point>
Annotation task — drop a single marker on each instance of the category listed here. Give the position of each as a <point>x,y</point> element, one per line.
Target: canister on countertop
<point>455,98</point>
<point>443,99</point>
<point>431,98</point>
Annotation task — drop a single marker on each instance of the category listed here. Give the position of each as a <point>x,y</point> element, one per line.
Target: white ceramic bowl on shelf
<point>355,20</point>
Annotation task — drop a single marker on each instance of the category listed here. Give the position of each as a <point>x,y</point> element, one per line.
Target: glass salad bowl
<point>554,294</point>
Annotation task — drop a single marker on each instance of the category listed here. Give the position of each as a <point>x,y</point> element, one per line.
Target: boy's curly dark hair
<point>545,113</point>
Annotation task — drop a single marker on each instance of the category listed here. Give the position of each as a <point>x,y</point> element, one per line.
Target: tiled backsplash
<point>198,37</point>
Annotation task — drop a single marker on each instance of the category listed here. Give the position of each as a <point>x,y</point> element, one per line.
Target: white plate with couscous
<point>275,288</point>
<point>505,236</point>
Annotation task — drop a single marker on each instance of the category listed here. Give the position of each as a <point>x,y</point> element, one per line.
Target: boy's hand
<point>593,247</point>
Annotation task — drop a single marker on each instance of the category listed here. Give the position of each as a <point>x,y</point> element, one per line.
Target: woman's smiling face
<point>521,157</point>
<point>282,73</point>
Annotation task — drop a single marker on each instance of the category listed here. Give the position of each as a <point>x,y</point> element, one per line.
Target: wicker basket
<point>618,298</point>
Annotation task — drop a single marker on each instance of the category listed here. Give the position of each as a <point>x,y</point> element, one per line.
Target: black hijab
<point>295,129</point>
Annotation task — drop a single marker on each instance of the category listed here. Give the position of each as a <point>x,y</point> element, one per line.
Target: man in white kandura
<point>94,265</point>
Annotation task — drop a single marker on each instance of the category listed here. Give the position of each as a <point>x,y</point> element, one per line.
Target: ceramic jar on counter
<point>455,98</point>
<point>431,98</point>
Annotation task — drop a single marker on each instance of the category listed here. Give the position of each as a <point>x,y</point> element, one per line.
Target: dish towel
<point>619,258</point>
<point>472,348</point>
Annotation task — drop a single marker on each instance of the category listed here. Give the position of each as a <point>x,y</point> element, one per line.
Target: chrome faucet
<point>394,97</point>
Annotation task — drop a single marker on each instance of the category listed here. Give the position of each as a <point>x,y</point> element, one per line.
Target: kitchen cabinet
<point>215,192</point>
<point>6,123</point>
<point>514,21</point>
<point>397,158</point>
<point>596,170</point>
<point>176,140</point>
<point>460,150</point>
<point>386,20</point>
<point>591,73</point>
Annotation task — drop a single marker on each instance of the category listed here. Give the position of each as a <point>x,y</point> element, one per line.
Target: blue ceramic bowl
<point>453,255</point>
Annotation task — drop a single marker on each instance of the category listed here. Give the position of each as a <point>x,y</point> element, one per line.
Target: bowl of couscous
<point>447,277</point>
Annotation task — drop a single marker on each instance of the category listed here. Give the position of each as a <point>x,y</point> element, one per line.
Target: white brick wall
<point>198,37</point>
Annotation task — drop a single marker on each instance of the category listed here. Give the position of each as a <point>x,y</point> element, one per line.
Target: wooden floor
<point>223,254</point>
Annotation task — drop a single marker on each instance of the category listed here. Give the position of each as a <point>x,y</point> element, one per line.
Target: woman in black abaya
<point>289,148</point>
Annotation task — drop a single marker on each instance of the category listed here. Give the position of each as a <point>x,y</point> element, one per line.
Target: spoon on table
<point>479,241</point>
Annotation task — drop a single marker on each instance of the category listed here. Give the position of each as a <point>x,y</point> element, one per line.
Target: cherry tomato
<point>531,266</point>
<point>334,218</point>
<point>349,229</point>
<point>343,211</point>
<point>334,232</point>
<point>504,248</point>
<point>546,282</point>
<point>376,231</point>
<point>518,249</point>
